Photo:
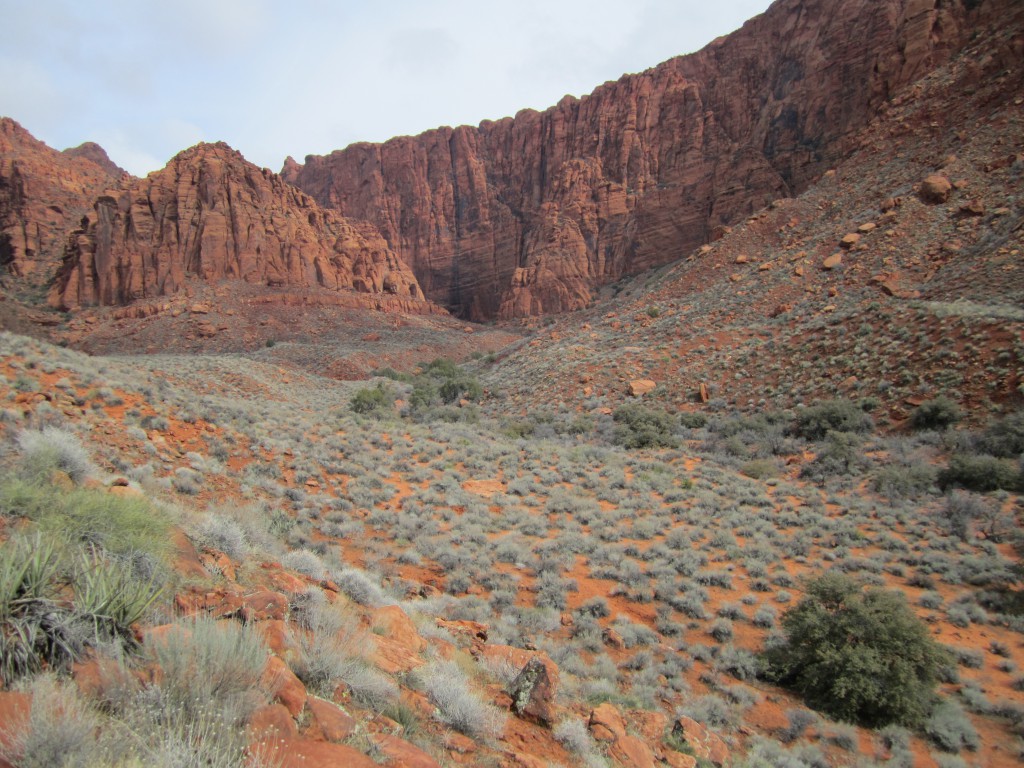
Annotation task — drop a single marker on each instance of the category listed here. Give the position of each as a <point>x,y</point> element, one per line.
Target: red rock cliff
<point>213,215</point>
<point>529,215</point>
<point>43,194</point>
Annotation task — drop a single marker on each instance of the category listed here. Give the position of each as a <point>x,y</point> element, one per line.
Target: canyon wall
<point>532,214</point>
<point>43,194</point>
<point>212,215</point>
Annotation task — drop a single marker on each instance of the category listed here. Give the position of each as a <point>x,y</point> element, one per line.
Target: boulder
<point>641,387</point>
<point>705,744</point>
<point>533,691</point>
<point>832,262</point>
<point>935,189</point>
<point>328,721</point>
<point>281,683</point>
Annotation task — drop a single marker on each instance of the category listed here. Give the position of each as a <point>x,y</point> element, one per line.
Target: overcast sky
<point>295,77</point>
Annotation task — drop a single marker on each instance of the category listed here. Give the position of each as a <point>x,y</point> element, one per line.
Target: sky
<point>274,78</point>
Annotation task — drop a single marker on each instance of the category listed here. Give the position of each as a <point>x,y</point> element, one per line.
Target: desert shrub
<point>980,473</point>
<point>52,449</point>
<point>841,454</point>
<point>843,736</point>
<point>638,426</point>
<point>938,413</point>
<point>222,534</point>
<point>1004,437</point>
<point>596,607</point>
<point>210,664</point>
<point>457,704</point>
<point>818,420</point>
<point>959,510</point>
<point>760,469</point>
<point>721,630</point>
<point>712,710</point>
<point>798,722</point>
<point>740,663</point>
<point>950,729</point>
<point>908,481</point>
<point>765,617</point>
<point>857,655</point>
<point>693,420</point>
<point>59,731</point>
<point>332,650</point>
<point>372,400</point>
<point>306,562</point>
<point>359,586</point>
<point>575,737</point>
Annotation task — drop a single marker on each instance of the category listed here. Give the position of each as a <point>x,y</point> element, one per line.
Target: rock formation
<point>43,194</point>
<point>212,215</point>
<point>90,150</point>
<point>529,215</point>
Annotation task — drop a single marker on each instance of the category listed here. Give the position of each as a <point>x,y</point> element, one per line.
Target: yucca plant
<point>35,626</point>
<point>111,597</point>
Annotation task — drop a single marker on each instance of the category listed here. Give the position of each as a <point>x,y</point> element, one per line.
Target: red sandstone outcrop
<point>213,215</point>
<point>93,152</point>
<point>528,215</point>
<point>43,194</point>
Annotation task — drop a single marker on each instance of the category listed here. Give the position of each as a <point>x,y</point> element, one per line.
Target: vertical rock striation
<point>43,194</point>
<point>531,214</point>
<point>212,215</point>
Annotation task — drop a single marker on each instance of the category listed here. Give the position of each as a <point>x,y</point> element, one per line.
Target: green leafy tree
<point>857,655</point>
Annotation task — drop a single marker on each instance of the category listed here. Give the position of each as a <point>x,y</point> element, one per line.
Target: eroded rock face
<point>43,194</point>
<point>211,214</point>
<point>529,215</point>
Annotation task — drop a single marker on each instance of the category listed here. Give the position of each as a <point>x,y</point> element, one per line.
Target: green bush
<point>938,413</point>
<point>818,420</point>
<point>858,655</point>
<point>638,426</point>
<point>371,400</point>
<point>841,454</point>
<point>1004,437</point>
<point>980,473</point>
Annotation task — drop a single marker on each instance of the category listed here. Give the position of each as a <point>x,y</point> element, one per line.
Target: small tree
<point>857,655</point>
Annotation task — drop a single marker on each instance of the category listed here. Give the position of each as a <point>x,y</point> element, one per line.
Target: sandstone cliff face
<point>529,215</point>
<point>212,215</point>
<point>43,194</point>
